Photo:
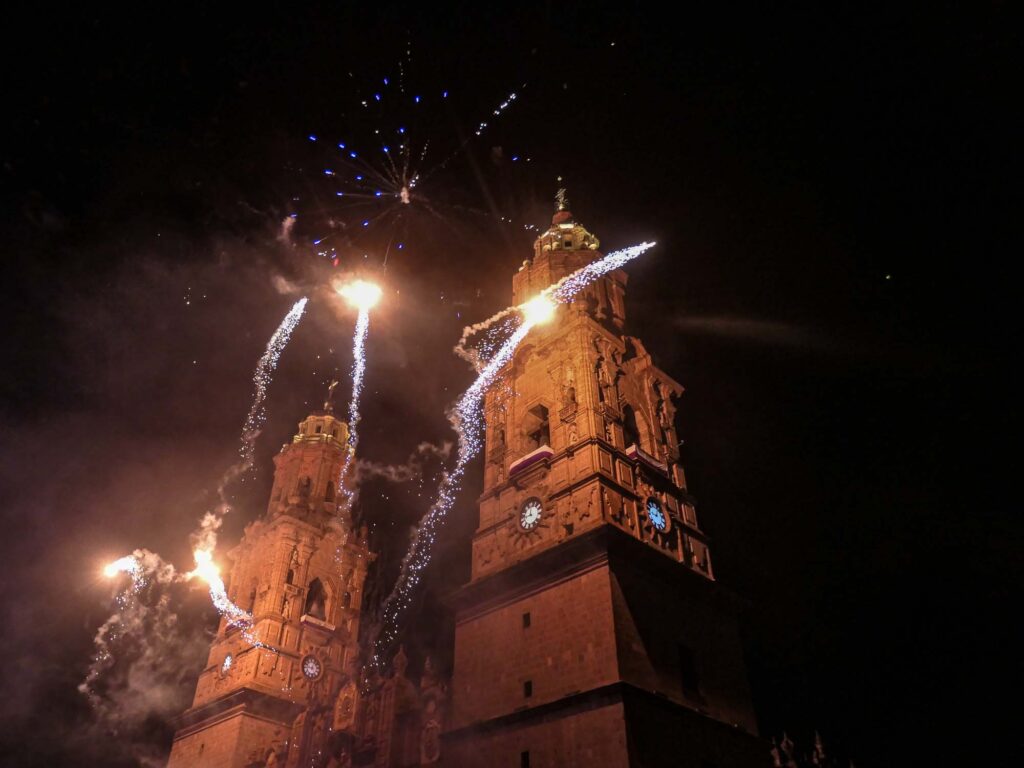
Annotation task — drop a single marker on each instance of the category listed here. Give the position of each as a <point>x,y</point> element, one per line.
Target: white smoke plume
<point>144,657</point>
<point>284,234</point>
<point>205,536</point>
<point>412,469</point>
<point>476,355</point>
<point>284,286</point>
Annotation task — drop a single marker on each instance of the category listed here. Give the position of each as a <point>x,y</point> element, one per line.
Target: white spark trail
<point>467,421</point>
<point>206,536</point>
<point>204,540</point>
<point>207,570</point>
<point>358,372</point>
<point>262,377</point>
<point>144,567</point>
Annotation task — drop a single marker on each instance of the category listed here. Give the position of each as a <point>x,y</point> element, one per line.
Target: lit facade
<point>299,571</point>
<point>592,631</point>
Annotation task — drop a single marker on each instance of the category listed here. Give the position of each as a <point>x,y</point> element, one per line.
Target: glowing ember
<point>126,564</point>
<point>208,571</point>
<point>538,310</point>
<point>361,294</point>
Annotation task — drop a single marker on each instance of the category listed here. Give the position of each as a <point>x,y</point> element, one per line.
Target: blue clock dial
<point>656,515</point>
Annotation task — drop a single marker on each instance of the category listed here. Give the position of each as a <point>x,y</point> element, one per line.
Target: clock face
<point>311,667</point>
<point>657,515</point>
<point>530,514</point>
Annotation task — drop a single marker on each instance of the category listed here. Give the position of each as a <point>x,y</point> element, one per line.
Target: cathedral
<point>591,632</point>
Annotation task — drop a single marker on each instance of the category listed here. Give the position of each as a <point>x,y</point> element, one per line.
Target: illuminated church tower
<point>299,570</point>
<point>592,632</point>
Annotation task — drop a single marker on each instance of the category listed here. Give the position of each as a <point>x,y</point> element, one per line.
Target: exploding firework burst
<point>467,421</point>
<point>371,181</point>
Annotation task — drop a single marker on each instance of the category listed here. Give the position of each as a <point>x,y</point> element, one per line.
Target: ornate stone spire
<point>328,403</point>
<point>561,200</point>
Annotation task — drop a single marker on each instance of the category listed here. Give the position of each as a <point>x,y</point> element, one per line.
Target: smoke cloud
<point>412,469</point>
<point>144,660</point>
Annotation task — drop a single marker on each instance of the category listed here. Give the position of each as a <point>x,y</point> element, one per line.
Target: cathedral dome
<point>565,233</point>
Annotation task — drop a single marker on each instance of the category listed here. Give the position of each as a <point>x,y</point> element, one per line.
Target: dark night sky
<point>828,188</point>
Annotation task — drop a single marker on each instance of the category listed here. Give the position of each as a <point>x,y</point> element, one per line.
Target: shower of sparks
<point>363,296</point>
<point>539,309</point>
<point>497,112</point>
<point>145,568</point>
<point>261,379</point>
<point>358,369</point>
<point>142,565</point>
<point>467,420</point>
<point>205,538</point>
<point>494,330</point>
<point>565,290</point>
<point>127,564</point>
<point>208,571</point>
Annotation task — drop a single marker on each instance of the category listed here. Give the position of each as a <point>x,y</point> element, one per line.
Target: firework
<point>372,184</point>
<point>262,377</point>
<point>467,421</point>
<point>208,571</point>
<point>363,296</point>
<point>128,564</point>
<point>205,537</point>
<point>127,625</point>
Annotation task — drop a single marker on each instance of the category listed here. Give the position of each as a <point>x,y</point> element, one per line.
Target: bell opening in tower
<point>536,428</point>
<point>316,601</point>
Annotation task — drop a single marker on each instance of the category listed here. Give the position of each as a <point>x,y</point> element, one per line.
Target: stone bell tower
<point>592,631</point>
<point>299,571</point>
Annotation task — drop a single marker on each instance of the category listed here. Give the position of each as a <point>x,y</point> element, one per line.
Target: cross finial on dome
<point>328,405</point>
<point>561,201</point>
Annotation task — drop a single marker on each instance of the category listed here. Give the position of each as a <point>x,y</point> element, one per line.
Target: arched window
<point>630,430</point>
<point>252,597</point>
<point>293,564</point>
<point>329,493</point>
<point>346,601</point>
<point>536,429</point>
<point>316,601</point>
<point>305,486</point>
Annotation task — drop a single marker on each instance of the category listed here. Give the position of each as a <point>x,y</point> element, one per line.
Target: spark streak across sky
<point>358,371</point>
<point>205,539</point>
<point>207,570</point>
<point>467,420</point>
<point>364,296</point>
<point>143,565</point>
<point>261,379</point>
